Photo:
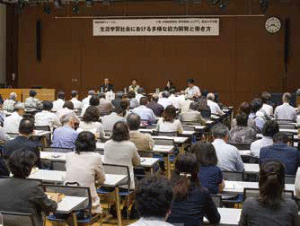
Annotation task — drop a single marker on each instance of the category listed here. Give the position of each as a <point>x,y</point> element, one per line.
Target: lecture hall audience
<point>145,113</point>
<point>93,101</point>
<point>132,99</point>
<point>86,101</point>
<point>9,104</point>
<point>168,122</point>
<point>11,123</point>
<point>191,201</point>
<point>281,151</point>
<point>270,208</point>
<point>157,108</point>
<point>214,107</point>
<point>164,101</point>
<point>77,103</point>
<point>140,94</point>
<point>270,128</point>
<point>18,194</point>
<point>267,107</point>
<point>210,174</point>
<point>59,103</point>
<point>245,108</point>
<point>285,112</point>
<point>46,117</point>
<point>32,103</point>
<point>192,115</point>
<point>229,158</point>
<point>192,91</point>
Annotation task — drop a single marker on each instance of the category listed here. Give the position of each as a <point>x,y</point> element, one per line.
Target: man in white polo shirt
<point>192,90</point>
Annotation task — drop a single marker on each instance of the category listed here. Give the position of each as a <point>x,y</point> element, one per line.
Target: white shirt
<point>108,121</point>
<point>191,116</point>
<point>257,145</point>
<point>145,113</point>
<point>229,158</point>
<point>285,112</point>
<point>77,103</point>
<point>268,109</point>
<point>94,127</point>
<point>138,97</point>
<point>297,183</point>
<point>85,101</point>
<point>11,123</point>
<point>122,153</point>
<point>58,104</point>
<point>185,105</point>
<point>151,222</point>
<point>47,118</point>
<point>214,108</point>
<point>193,91</point>
<point>174,100</point>
<point>175,126</point>
<point>165,102</point>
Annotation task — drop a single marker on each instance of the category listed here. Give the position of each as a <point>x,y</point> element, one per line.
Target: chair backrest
<point>169,134</point>
<point>162,141</point>
<point>13,135</point>
<point>17,219</point>
<point>289,179</point>
<point>57,149</point>
<point>254,193</point>
<point>217,199</point>
<point>73,191</point>
<point>241,146</point>
<point>233,176</point>
<point>45,128</point>
<point>58,165</point>
<point>119,170</point>
<point>253,159</point>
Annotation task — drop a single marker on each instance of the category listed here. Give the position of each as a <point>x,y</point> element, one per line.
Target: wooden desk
<point>229,216</point>
<point>42,94</point>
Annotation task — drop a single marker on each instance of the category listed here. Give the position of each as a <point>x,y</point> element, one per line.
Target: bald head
<point>155,97</point>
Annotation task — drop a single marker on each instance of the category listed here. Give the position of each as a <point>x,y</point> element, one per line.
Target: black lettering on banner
<point>186,28</point>
<point>106,29</point>
<point>165,29</point>
<point>138,29</point>
<point>197,28</point>
<point>180,28</point>
<point>202,28</point>
<point>159,28</point>
<point>192,29</point>
<point>208,28</point>
<point>153,28</point>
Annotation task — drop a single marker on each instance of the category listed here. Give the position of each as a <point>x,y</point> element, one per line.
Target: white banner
<point>157,27</point>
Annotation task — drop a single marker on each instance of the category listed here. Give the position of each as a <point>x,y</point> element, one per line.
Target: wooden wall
<point>243,61</point>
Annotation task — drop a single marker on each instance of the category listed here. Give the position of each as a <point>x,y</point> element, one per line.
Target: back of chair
<point>169,134</point>
<point>163,141</point>
<point>233,176</point>
<point>253,159</point>
<point>289,179</point>
<point>119,170</point>
<point>241,146</point>
<point>254,193</point>
<point>17,219</point>
<point>58,165</point>
<point>45,128</point>
<point>57,149</point>
<point>75,191</point>
<point>12,135</point>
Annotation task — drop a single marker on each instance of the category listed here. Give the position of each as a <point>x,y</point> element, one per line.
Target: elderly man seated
<point>11,123</point>
<point>9,104</point>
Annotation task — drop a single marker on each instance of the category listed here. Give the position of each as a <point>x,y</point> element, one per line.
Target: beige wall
<point>2,43</point>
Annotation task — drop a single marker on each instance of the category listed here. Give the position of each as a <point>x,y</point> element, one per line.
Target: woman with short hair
<point>90,122</point>
<point>169,123</point>
<point>17,194</point>
<point>84,166</point>
<point>270,208</point>
<point>191,202</point>
<point>209,174</point>
<point>120,151</point>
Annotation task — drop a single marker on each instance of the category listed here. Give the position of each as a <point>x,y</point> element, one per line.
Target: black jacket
<point>107,88</point>
<point>26,196</point>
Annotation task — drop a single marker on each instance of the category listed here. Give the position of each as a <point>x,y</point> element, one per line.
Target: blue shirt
<point>64,137</point>
<point>145,113</point>
<point>289,156</point>
<point>210,177</point>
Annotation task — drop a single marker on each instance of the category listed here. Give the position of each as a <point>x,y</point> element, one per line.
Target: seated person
<point>24,140</point>
<point>214,107</point>
<point>134,86</point>
<point>270,128</point>
<point>258,114</point>
<point>168,123</point>
<point>229,158</point>
<point>86,101</point>
<point>280,151</point>
<point>203,108</point>
<point>84,166</point>
<point>132,99</point>
<point>164,101</point>
<point>297,184</point>
<point>242,133</point>
<point>77,103</point>
<point>153,198</point>
<point>19,194</point>
<point>68,108</point>
<point>108,121</point>
<point>93,101</point>
<point>143,142</point>
<point>209,174</point>
<point>245,108</point>
<point>191,202</point>
<point>121,151</point>
<point>59,103</point>
<point>4,172</point>
<point>140,94</point>
<point>169,86</point>
<point>192,115</point>
<point>31,102</point>
<point>270,208</point>
<point>9,105</point>
<point>11,123</point>
<point>285,112</point>
<point>116,102</point>
<point>65,136</point>
<point>184,105</point>
<point>46,117</point>
<point>105,106</point>
<point>107,86</point>
<point>90,122</point>
<point>192,91</point>
<point>267,107</point>
<point>124,107</point>
<point>155,106</point>
<point>174,99</point>
<point>145,113</point>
